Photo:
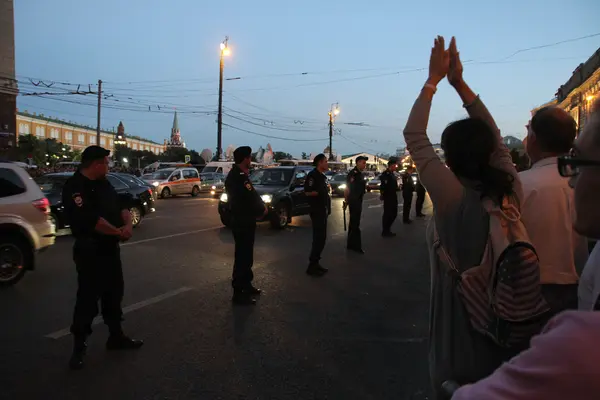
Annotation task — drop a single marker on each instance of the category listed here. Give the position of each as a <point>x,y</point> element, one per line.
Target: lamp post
<point>224,52</point>
<point>333,112</point>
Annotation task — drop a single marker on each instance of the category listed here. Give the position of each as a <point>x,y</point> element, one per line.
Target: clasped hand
<point>445,63</point>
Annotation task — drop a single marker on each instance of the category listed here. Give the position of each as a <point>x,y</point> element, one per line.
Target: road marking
<point>171,236</point>
<point>381,205</point>
<point>128,309</point>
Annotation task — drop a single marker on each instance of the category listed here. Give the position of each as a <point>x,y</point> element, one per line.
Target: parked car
<point>138,198</point>
<point>133,180</point>
<point>176,181</point>
<point>213,183</point>
<point>25,228</point>
<point>338,184</point>
<point>373,184</point>
<point>281,189</point>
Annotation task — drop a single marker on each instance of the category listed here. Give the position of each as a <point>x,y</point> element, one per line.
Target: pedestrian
<point>388,194</point>
<point>548,209</point>
<point>478,165</point>
<point>408,187</point>
<point>315,188</point>
<point>354,193</point>
<point>421,191</point>
<point>246,206</point>
<point>99,220</point>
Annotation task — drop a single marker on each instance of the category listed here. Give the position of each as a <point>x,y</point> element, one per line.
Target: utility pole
<point>224,52</point>
<point>333,112</point>
<point>99,109</point>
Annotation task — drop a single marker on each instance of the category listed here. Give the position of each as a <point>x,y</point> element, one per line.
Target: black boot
<point>79,349</point>
<point>242,298</point>
<point>118,341</point>
<point>316,270</point>
<point>253,291</point>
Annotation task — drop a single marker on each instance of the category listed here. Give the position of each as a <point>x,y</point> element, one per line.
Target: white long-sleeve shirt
<point>548,212</point>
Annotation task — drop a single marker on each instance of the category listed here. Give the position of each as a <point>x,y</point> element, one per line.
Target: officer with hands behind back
<point>388,190</point>
<point>354,193</point>
<point>315,188</point>
<point>99,220</point>
<point>408,187</point>
<point>246,207</point>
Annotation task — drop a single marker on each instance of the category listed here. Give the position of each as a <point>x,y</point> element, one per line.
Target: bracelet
<point>473,102</point>
<point>430,86</point>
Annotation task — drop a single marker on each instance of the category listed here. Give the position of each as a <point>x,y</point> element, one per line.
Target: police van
<point>176,181</point>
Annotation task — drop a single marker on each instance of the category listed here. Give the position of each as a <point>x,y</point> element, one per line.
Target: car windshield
<point>51,184</point>
<point>207,176</point>
<point>131,179</point>
<point>272,177</point>
<point>212,168</point>
<point>162,174</point>
<point>339,178</point>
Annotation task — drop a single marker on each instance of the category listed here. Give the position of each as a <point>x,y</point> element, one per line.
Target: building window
<point>81,138</point>
<point>134,146</point>
<point>102,141</point>
<point>92,139</point>
<point>23,129</point>
<point>111,142</point>
<point>54,133</point>
<point>40,131</point>
<point>68,137</point>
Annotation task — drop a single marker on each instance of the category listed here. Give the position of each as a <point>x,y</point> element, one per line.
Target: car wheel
<point>14,255</point>
<point>225,219</point>
<point>136,215</point>
<point>166,192</point>
<point>281,216</point>
<point>195,191</point>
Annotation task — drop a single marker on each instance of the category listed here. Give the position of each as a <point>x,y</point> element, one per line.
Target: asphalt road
<point>358,333</point>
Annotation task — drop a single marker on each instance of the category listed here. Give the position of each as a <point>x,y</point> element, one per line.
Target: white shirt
<point>548,212</point>
<point>589,285</point>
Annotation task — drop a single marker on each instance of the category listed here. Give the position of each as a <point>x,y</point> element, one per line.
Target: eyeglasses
<point>569,165</point>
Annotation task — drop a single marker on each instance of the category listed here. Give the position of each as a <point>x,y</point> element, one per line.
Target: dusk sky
<point>364,55</point>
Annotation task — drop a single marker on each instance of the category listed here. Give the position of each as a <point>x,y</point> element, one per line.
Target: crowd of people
<point>506,249</point>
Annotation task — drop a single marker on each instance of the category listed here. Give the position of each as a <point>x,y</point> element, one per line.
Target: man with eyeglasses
<point>548,208</point>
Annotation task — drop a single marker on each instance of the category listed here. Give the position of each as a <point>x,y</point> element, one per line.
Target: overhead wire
<point>274,137</point>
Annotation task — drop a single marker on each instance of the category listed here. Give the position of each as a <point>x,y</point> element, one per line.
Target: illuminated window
<point>92,139</point>
<point>69,137</point>
<point>40,131</point>
<point>23,129</point>
<point>102,141</point>
<point>54,134</point>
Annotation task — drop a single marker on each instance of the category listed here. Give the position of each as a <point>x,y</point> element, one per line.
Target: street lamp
<point>224,52</point>
<point>333,112</point>
<point>125,160</point>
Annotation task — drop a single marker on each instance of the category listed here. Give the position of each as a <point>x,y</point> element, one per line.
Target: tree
<point>281,155</point>
<point>45,151</point>
<point>304,156</point>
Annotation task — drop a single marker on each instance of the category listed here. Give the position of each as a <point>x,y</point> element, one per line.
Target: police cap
<point>241,153</point>
<point>93,153</point>
<point>360,158</point>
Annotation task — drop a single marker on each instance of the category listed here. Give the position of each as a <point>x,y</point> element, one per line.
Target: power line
<point>274,137</point>
<point>270,127</point>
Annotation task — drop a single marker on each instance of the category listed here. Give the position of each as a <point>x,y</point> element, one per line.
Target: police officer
<point>354,193</point>
<point>315,188</point>
<point>99,220</point>
<point>246,206</point>
<point>408,187</point>
<point>388,190</point>
<point>421,191</point>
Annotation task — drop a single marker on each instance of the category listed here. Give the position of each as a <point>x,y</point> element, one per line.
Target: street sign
<point>187,158</point>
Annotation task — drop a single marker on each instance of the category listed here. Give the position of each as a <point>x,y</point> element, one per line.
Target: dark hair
<point>239,157</point>
<point>554,130</point>
<point>468,145</point>
<point>318,158</point>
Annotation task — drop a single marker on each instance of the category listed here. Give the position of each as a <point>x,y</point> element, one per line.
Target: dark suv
<point>282,190</point>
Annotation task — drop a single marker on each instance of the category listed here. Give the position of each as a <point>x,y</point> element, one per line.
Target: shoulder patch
<point>311,181</point>
<point>351,179</point>
<point>77,199</point>
<point>248,186</point>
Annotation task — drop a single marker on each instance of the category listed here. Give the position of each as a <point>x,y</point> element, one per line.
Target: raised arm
<point>500,158</point>
<point>443,186</point>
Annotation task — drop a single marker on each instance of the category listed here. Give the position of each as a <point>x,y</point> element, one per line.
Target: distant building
<point>512,142</point>
<point>374,163</point>
<point>580,90</point>
<point>8,82</point>
<point>79,136</point>
<point>175,140</point>
<point>120,137</point>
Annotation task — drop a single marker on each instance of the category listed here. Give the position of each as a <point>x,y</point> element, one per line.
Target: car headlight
<point>342,186</point>
<point>213,187</point>
<point>266,198</point>
<point>223,197</point>
<point>155,184</point>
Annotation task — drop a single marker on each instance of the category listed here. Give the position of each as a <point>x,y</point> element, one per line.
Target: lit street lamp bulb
<point>590,98</point>
<point>124,159</point>
<point>222,46</point>
<point>336,111</point>
<point>226,51</point>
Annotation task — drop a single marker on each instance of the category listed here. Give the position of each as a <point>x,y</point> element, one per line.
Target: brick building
<point>79,136</point>
<point>8,83</point>
<point>580,90</point>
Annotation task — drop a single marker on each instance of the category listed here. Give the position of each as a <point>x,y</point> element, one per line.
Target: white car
<point>25,228</point>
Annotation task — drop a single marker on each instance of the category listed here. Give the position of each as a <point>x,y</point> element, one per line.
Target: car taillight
<point>150,192</point>
<point>43,205</point>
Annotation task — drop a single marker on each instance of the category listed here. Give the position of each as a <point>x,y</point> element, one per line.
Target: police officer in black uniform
<point>421,191</point>
<point>246,206</point>
<point>315,188</point>
<point>99,220</point>
<point>408,187</point>
<point>354,193</point>
<point>388,190</point>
